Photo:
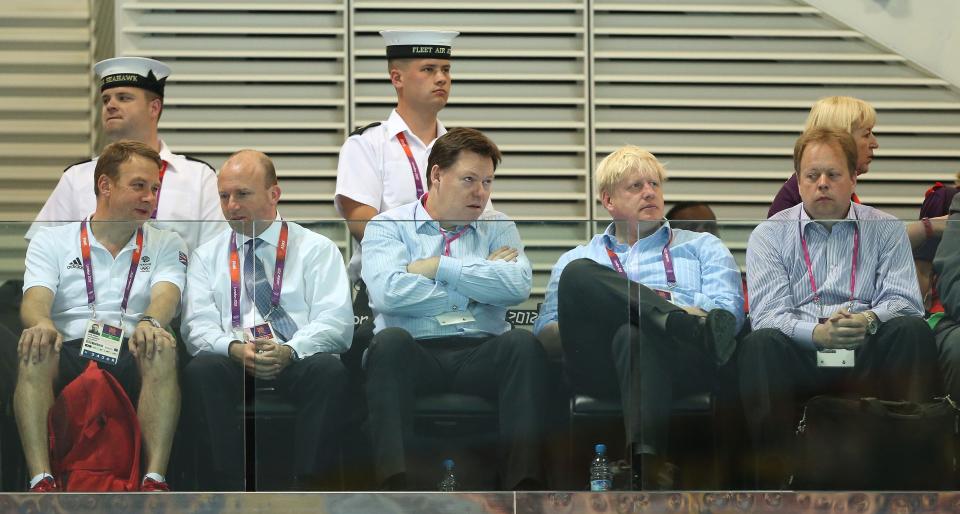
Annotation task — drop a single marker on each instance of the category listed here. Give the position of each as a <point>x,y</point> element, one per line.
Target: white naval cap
<point>419,44</point>
<point>140,72</point>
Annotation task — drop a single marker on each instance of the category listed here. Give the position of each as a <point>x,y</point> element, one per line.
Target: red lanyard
<point>664,254</point>
<point>443,233</point>
<point>853,265</point>
<point>88,270</point>
<point>163,171</point>
<point>454,237</point>
<point>413,163</point>
<point>277,276</point>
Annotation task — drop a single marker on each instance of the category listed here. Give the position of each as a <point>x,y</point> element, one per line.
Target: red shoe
<point>46,485</point>
<point>150,485</point>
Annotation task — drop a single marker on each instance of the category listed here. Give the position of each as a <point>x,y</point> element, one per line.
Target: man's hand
<point>148,340</point>
<point>426,267</point>
<point>39,341</point>
<point>244,354</point>
<point>504,253</point>
<point>271,358</point>
<point>843,330</point>
<point>696,311</point>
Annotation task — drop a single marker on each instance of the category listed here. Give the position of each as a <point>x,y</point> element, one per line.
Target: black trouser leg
<point>774,375</point>
<point>317,385</point>
<point>212,394</point>
<point>512,369</point>
<point>947,338</point>
<point>396,368</point>
<point>899,362</point>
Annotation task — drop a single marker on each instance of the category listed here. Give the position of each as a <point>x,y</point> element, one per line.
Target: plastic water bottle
<point>449,482</point>
<point>601,476</point>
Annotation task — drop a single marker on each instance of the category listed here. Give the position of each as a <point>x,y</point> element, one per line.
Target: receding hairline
<point>263,163</point>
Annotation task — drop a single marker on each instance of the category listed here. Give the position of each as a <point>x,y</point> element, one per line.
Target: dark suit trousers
<point>777,376</point>
<point>213,396</point>
<point>612,349</point>
<point>509,369</point>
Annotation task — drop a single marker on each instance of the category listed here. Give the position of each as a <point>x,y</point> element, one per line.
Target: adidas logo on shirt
<point>75,264</point>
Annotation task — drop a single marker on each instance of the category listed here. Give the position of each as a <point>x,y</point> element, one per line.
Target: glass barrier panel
<point>695,368</point>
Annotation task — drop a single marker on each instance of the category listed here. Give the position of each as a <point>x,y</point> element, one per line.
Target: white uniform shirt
<point>54,261</point>
<point>374,170</point>
<point>188,196</point>
<point>315,292</point>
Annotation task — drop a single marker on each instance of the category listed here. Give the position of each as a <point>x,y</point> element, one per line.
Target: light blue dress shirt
<point>781,296</point>
<point>465,280</point>
<point>707,275</point>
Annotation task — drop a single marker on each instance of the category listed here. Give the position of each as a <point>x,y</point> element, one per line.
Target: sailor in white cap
<point>131,92</point>
<point>383,165</point>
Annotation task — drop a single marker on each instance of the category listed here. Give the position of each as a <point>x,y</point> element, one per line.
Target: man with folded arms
<point>90,284</point>
<point>441,274</point>
<point>643,312</point>
<point>835,305</point>
<point>269,301</point>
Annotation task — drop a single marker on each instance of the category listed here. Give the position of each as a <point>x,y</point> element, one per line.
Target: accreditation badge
<point>666,295</point>
<point>454,318</point>
<point>261,332</point>
<point>101,342</point>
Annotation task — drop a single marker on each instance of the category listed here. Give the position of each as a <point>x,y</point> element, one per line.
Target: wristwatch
<point>873,322</point>
<point>294,356</point>
<point>151,320</point>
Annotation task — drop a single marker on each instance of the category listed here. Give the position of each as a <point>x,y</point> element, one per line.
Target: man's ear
<point>275,194</point>
<point>104,184</point>
<point>605,200</point>
<point>396,77</point>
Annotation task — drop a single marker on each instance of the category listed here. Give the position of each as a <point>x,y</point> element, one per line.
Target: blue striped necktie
<point>260,288</point>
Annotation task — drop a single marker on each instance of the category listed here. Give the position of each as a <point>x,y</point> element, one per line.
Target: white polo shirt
<point>374,170</point>
<point>188,197</point>
<point>54,261</point>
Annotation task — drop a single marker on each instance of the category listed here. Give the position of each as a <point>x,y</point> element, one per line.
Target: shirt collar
<point>805,219</point>
<point>396,125</point>
<point>169,157</point>
<point>421,217</point>
<point>271,235</point>
<point>132,243</point>
<point>661,235</point>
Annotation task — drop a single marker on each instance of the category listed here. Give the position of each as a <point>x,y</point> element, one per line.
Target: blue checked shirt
<point>781,296</point>
<point>707,275</point>
<point>465,279</point>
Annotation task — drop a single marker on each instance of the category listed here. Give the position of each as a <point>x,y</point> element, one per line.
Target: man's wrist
<point>151,320</point>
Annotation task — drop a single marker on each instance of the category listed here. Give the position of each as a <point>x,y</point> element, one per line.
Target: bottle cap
<point>600,448</point>
<point>448,464</point>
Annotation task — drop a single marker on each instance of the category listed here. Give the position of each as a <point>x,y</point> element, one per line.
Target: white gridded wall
<point>265,75</point>
<point>718,89</point>
<point>45,109</point>
<point>519,75</point>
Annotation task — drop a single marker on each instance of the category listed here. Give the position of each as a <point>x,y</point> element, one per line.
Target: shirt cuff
<point>883,313</point>
<point>448,272</point>
<point>704,302</point>
<point>803,334</point>
<point>222,345</point>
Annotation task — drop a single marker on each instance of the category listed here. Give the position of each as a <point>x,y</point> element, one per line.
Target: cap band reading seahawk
<point>140,72</point>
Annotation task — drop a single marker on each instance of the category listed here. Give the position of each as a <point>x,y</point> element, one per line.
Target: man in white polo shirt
<point>131,93</point>
<point>109,270</point>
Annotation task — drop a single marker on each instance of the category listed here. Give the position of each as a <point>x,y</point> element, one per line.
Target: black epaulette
<point>360,130</point>
<point>201,161</point>
<point>76,164</point>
